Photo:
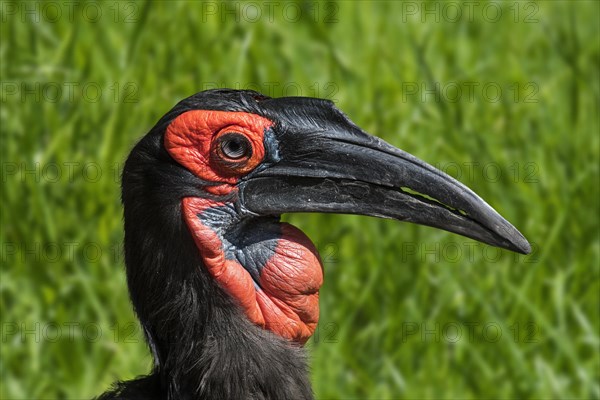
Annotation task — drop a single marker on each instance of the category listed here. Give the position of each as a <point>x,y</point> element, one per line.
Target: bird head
<point>216,173</point>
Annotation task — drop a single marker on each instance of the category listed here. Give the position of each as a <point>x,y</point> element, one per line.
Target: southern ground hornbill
<point>225,292</point>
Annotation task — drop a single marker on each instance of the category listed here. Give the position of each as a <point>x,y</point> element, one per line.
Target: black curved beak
<point>342,169</point>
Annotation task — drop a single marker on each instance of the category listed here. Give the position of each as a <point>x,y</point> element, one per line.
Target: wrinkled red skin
<point>189,138</point>
<point>286,300</point>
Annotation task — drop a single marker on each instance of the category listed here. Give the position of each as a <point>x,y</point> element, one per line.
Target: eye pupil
<point>235,146</point>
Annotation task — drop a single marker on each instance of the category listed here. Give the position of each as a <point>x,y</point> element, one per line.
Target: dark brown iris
<point>234,147</point>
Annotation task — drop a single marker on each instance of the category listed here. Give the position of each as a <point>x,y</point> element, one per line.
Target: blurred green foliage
<point>507,103</point>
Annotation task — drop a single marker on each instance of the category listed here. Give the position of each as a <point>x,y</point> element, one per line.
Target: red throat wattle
<point>285,299</point>
<point>282,295</point>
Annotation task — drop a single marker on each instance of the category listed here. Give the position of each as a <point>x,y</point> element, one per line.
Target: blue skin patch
<point>251,242</point>
<point>271,146</point>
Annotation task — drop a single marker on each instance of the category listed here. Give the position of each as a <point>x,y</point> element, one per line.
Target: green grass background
<point>396,296</point>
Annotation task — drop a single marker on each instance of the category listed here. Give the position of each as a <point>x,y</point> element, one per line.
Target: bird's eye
<point>234,147</point>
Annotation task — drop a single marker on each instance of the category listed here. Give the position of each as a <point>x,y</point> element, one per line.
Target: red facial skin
<point>287,301</point>
<point>190,137</point>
